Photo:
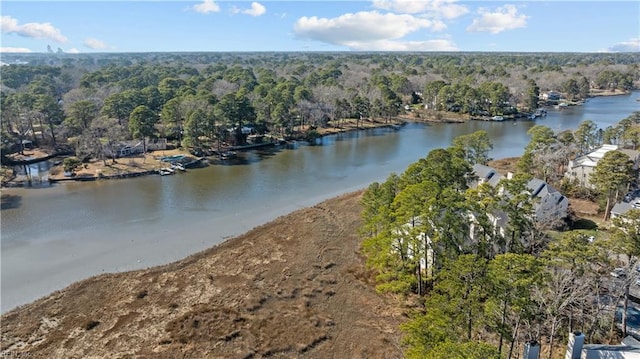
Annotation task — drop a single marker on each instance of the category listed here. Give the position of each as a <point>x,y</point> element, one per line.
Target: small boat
<point>178,166</point>
<point>497,118</point>
<point>166,171</point>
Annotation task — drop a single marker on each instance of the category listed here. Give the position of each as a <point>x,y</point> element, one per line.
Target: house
<point>485,174</point>
<point>551,96</point>
<point>621,208</point>
<point>576,349</point>
<point>550,206</point>
<point>581,168</point>
<point>128,148</point>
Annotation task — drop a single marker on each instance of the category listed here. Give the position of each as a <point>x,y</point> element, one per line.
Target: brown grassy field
<point>293,288</point>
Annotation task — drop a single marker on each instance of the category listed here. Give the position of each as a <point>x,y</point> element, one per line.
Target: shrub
<point>70,164</point>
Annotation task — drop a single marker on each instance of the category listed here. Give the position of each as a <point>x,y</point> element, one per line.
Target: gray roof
<point>613,348</point>
<point>621,208</point>
<point>631,341</point>
<point>482,171</point>
<point>536,186</point>
<point>488,174</point>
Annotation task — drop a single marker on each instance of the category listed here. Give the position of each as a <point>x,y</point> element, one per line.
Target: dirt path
<point>292,288</point>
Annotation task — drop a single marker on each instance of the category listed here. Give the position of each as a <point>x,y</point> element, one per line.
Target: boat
<point>497,118</point>
<point>166,171</point>
<point>178,166</point>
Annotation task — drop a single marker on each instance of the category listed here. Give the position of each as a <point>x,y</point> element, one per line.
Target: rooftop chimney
<point>574,348</point>
<point>531,350</point>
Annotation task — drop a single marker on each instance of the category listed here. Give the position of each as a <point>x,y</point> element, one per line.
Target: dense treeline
<point>202,99</point>
<point>488,283</point>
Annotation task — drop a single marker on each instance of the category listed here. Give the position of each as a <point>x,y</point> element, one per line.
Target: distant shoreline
<point>149,164</point>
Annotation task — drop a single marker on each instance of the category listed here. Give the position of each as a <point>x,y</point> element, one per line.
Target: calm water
<point>47,231</point>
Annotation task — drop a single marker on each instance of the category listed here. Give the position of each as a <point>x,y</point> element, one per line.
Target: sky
<point>85,26</point>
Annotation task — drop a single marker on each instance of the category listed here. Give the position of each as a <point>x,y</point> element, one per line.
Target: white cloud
<point>14,49</point>
<point>447,9</point>
<point>94,44</point>
<point>363,29</point>
<point>257,9</point>
<point>35,30</point>
<point>633,45</point>
<point>503,18</point>
<point>73,50</point>
<point>206,7</point>
<point>8,24</point>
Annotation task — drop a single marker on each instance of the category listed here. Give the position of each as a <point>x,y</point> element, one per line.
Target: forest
<point>88,103</point>
<point>483,288</point>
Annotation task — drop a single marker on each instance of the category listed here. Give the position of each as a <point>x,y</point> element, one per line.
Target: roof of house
<point>629,340</point>
<point>487,174</point>
<point>600,152</point>
<point>621,208</point>
<point>482,171</point>
<point>612,348</point>
<point>591,159</point>
<point>537,187</point>
<point>633,154</point>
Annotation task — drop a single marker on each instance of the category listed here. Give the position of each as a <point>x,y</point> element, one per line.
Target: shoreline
<point>299,275</point>
<point>151,164</point>
<point>134,170</point>
<point>126,248</point>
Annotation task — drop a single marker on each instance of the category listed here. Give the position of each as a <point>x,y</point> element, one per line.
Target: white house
<point>582,167</point>
<point>577,349</point>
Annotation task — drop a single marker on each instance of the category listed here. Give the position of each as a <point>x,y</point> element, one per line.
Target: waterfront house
<point>550,208</point>
<point>128,148</point>
<point>581,168</point>
<point>550,205</point>
<point>551,96</point>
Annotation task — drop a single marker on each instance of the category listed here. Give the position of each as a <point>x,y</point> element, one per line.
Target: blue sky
<point>376,25</point>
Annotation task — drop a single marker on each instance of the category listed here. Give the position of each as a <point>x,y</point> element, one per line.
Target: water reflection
<point>9,201</point>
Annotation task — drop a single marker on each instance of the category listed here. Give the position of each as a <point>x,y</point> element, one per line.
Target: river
<point>52,236</point>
